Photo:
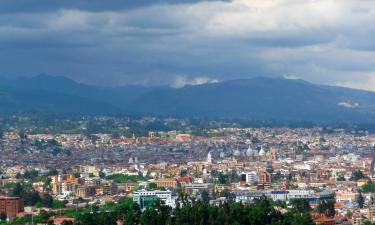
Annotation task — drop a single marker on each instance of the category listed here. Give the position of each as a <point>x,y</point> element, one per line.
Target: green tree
<point>152,186</point>
<point>18,190</point>
<point>304,219</point>
<point>327,207</point>
<point>301,205</point>
<point>149,217</point>
<point>368,188</point>
<point>66,222</point>
<point>357,175</point>
<point>3,216</point>
<point>47,200</point>
<point>222,178</point>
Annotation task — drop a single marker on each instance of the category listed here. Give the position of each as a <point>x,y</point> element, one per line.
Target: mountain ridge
<point>261,98</point>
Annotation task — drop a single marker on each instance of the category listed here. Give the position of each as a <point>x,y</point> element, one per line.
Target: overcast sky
<point>174,42</point>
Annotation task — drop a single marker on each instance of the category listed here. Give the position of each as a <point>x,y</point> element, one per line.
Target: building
<point>147,198</point>
<point>209,158</point>
<point>371,214</point>
<point>279,195</point>
<point>85,191</point>
<point>196,188</point>
<point>219,188</point>
<point>183,137</point>
<point>11,206</point>
<point>357,218</point>
<point>265,180</point>
<point>185,180</point>
<point>249,197</point>
<point>110,189</point>
<point>167,183</point>
<point>128,186</point>
<point>249,177</point>
<point>64,188</point>
<point>61,219</point>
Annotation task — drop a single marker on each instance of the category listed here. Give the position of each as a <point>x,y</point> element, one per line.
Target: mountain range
<point>257,98</point>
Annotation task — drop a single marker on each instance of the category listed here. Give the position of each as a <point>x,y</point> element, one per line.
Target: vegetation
<point>327,207</point>
<point>121,178</point>
<point>261,212</point>
<point>368,188</point>
<point>197,213</point>
<point>357,175</point>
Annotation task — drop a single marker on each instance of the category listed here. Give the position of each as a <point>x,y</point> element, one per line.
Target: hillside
<point>257,98</point>
<point>262,98</point>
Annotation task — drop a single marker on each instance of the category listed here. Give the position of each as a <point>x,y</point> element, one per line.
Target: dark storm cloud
<point>176,42</point>
<point>27,6</point>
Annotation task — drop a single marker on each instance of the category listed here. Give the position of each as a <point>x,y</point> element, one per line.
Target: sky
<point>178,42</point>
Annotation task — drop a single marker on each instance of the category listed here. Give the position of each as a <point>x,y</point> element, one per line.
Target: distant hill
<point>263,98</point>
<point>118,96</point>
<point>14,100</point>
<point>257,98</point>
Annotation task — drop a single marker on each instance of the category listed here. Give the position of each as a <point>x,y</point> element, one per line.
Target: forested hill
<point>257,98</point>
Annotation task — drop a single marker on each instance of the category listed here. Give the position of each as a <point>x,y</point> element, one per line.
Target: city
<point>58,175</point>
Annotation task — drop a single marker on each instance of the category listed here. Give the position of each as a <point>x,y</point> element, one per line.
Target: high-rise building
<point>10,206</point>
<point>265,179</point>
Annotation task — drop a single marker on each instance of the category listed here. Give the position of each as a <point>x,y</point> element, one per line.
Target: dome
<point>250,151</point>
<point>262,152</point>
<point>236,153</point>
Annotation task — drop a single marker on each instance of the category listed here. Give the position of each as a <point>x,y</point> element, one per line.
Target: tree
<point>53,172</point>
<point>56,204</point>
<point>47,200</point>
<point>38,205</point>
<point>327,207</point>
<point>357,175</point>
<point>360,200</point>
<point>67,222</point>
<point>31,174</point>
<point>152,186</point>
<point>3,216</point>
<point>205,197</point>
<point>301,205</point>
<point>30,198</point>
<point>1,133</point>
<point>340,178</point>
<point>101,174</point>
<point>149,217</point>
<point>183,173</point>
<point>222,178</point>
<point>18,190</point>
<point>304,219</point>
<point>44,216</point>
<point>368,188</point>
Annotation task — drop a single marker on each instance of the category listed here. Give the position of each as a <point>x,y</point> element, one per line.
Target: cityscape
<point>58,177</point>
<point>187,112</point>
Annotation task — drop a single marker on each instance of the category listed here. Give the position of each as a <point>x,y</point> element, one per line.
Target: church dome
<point>236,153</point>
<point>262,152</point>
<point>250,151</point>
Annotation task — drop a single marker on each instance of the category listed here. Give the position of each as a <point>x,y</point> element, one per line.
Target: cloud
<point>152,42</point>
<point>182,81</point>
<point>367,82</point>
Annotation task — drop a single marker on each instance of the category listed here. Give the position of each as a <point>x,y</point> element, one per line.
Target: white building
<point>249,177</point>
<point>147,198</point>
